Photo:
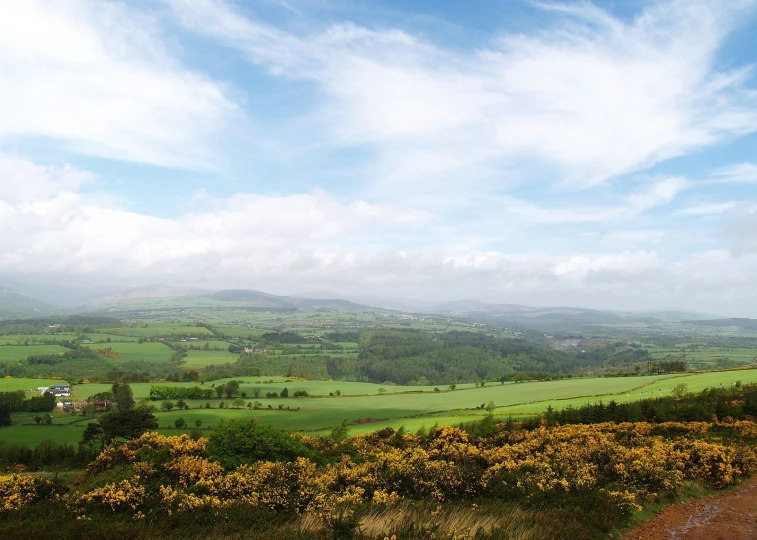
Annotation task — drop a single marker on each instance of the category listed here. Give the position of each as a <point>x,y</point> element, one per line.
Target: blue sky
<point>596,154</point>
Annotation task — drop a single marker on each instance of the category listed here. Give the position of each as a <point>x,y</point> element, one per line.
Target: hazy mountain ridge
<point>149,291</point>
<point>14,304</point>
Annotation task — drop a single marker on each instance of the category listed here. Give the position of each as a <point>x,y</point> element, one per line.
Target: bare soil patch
<point>725,516</point>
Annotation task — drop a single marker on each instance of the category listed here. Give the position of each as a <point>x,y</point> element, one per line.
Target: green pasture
<point>14,353</point>
<point>99,337</point>
<point>240,331</point>
<point>13,384</point>
<point>211,343</point>
<point>33,435</point>
<point>34,339</point>
<point>706,355</point>
<point>200,359</point>
<point>147,351</point>
<point>162,329</point>
<point>367,410</point>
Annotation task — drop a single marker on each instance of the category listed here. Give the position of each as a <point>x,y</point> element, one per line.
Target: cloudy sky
<point>601,155</point>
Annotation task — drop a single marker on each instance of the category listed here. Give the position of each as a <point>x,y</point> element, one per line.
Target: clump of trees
<point>11,402</point>
<point>178,392</point>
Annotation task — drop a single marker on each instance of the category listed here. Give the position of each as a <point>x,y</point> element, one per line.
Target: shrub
<point>246,441</point>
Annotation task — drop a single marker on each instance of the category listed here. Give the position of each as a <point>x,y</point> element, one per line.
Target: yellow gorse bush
<point>628,462</point>
<point>17,491</point>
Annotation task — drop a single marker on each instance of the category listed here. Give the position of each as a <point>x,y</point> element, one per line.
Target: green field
<point>367,409</point>
<point>697,355</point>
<point>157,329</point>
<point>200,359</point>
<point>13,384</point>
<point>14,353</point>
<point>148,351</point>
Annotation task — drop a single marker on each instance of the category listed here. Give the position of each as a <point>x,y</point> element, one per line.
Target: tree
<point>230,388</point>
<point>680,390</point>
<point>180,423</point>
<point>256,392</point>
<point>257,405</point>
<point>285,393</point>
<point>452,387</point>
<point>181,404</point>
<point>490,408</point>
<point>238,403</point>
<point>94,436</point>
<point>38,420</point>
<point>382,390</point>
<point>340,432</point>
<point>198,422</point>
<point>123,396</point>
<point>167,405</point>
<point>338,393</point>
<point>127,424</point>
<point>246,441</point>
<point>219,390</point>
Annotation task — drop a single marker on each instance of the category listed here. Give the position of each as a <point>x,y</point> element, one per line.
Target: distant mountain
<point>260,299</point>
<point>147,292</point>
<point>745,324</point>
<point>14,304</point>
<point>559,318</point>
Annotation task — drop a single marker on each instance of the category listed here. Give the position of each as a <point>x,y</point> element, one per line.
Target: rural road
<point>725,516</point>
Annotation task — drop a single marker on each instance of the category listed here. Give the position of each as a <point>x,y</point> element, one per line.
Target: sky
<point>601,155</point>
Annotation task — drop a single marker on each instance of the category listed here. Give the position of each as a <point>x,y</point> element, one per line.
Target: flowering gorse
<point>629,463</point>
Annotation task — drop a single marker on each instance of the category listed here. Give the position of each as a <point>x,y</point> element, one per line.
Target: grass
<point>162,329</point>
<point>200,359</point>
<point>413,407</point>
<point>14,353</point>
<point>14,384</point>
<point>33,435</point>
<point>148,351</point>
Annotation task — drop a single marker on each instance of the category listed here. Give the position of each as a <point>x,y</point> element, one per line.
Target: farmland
<point>370,406</point>
<point>354,372</point>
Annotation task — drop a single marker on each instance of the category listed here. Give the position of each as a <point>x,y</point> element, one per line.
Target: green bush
<point>246,441</point>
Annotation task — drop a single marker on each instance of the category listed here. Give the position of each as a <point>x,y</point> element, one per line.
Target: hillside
<point>14,305</point>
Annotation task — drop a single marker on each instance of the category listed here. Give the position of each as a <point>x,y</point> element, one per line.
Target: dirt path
<point>726,516</point>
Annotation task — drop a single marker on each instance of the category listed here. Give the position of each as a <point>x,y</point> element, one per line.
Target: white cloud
<point>709,209</point>
<point>743,234</point>
<point>312,241</point>
<point>741,173</point>
<point>658,193</point>
<point>97,78</point>
<point>589,99</point>
<point>47,226</point>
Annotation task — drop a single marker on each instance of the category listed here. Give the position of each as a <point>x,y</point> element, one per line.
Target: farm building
<point>60,390</point>
<point>65,403</point>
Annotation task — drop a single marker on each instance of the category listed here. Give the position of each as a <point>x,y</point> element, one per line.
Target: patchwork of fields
<point>369,406</point>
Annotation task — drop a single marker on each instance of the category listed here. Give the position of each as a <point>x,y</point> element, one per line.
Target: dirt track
<point>726,516</point>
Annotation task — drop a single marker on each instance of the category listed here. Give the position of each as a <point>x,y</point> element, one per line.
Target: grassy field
<point>200,359</point>
<point>697,355</point>
<point>240,331</point>
<point>367,409</point>
<point>14,353</point>
<point>157,329</point>
<point>148,351</point>
<point>13,384</point>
